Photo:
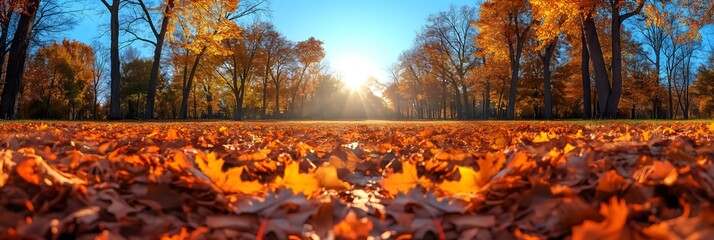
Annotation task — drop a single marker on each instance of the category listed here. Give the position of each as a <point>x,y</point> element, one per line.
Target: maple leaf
<point>402,182</point>
<point>229,181</point>
<point>297,182</point>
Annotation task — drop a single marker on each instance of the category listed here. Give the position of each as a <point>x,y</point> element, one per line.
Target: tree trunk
<point>585,74</point>
<point>277,99</point>
<point>459,111</point>
<point>602,84</point>
<point>548,96</point>
<point>3,42</point>
<point>156,65</point>
<point>613,99</point>
<point>186,91</point>
<point>115,88</point>
<point>16,63</point>
<point>487,101</point>
<point>467,108</point>
<point>265,97</point>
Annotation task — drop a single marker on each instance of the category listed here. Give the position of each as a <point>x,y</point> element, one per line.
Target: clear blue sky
<point>369,33</point>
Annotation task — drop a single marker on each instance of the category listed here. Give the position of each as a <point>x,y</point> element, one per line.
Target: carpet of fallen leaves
<point>358,180</point>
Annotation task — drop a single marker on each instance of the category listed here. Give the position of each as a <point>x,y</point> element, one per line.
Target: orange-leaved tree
<point>504,28</point>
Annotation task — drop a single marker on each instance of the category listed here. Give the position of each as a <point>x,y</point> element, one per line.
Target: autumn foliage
<point>353,181</point>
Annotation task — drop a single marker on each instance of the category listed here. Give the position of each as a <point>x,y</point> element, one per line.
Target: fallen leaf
<point>353,228</point>
<point>395,183</point>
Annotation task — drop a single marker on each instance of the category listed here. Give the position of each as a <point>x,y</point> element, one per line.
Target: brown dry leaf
<point>298,182</point>
<point>229,181</point>
<point>353,228</point>
<point>395,183</point>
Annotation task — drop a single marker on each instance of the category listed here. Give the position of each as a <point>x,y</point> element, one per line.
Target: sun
<point>354,71</point>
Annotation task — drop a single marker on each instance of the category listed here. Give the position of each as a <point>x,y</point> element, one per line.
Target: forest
<point>498,59</point>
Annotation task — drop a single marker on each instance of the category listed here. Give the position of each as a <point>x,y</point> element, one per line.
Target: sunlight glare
<point>354,71</point>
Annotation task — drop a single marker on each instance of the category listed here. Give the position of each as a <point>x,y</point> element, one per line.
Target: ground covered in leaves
<point>357,180</point>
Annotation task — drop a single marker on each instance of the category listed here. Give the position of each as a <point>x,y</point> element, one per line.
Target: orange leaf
<point>326,175</point>
<point>296,181</point>
<point>615,215</point>
<point>353,228</point>
<point>229,181</point>
<point>402,182</point>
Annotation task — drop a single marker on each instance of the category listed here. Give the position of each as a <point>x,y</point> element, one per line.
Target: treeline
<point>211,59</point>
<point>505,59</point>
<point>544,59</point>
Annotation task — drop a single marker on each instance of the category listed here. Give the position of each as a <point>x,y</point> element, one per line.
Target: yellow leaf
<point>711,127</point>
<point>568,148</point>
<point>543,137</point>
<point>624,138</point>
<point>579,134</point>
<point>402,182</point>
<point>467,184</point>
<point>296,181</point>
<point>326,175</point>
<point>229,181</point>
<point>646,135</point>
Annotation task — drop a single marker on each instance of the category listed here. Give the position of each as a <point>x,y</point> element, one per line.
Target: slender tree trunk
<point>467,108</point>
<point>186,91</point>
<point>669,90</point>
<point>585,74</point>
<point>16,66</point>
<point>265,97</point>
<point>613,99</point>
<point>602,84</point>
<point>156,65</point>
<point>4,42</point>
<point>459,110</point>
<point>548,96</point>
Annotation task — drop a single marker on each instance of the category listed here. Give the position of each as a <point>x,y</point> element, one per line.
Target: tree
<point>134,77</point>
<point>18,55</point>
<point>98,74</point>
<point>205,35</point>
<point>448,39</point>
<point>241,64</point>
<point>510,22</point>
<point>60,71</point>
<point>158,34</point>
<point>284,59</point>
<point>115,84</point>
<point>309,54</point>
<point>268,55</point>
